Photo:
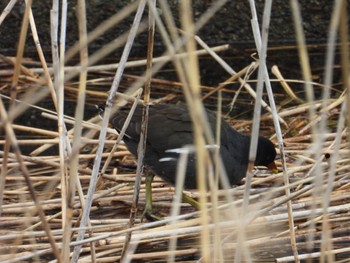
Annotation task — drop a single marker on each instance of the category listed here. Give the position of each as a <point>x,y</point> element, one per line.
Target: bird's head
<point>266,154</point>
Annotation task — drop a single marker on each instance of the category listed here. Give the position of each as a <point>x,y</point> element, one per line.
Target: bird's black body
<point>170,127</point>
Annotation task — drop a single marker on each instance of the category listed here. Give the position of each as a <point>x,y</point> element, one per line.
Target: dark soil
<point>231,25</point>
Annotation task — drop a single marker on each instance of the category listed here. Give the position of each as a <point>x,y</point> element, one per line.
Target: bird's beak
<point>272,167</point>
<point>101,110</point>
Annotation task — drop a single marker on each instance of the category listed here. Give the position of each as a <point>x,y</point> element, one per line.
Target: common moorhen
<point>170,127</point>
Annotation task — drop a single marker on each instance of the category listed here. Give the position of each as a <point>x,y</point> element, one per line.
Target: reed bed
<point>69,194</point>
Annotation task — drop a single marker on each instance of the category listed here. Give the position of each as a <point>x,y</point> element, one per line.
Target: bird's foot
<point>188,199</point>
<point>149,215</point>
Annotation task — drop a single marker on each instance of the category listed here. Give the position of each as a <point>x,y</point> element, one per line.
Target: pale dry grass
<point>59,207</point>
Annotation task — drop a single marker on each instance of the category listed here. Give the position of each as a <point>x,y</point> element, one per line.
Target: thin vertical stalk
<point>20,49</point>
<point>304,57</point>
<point>143,136</point>
<point>327,244</point>
<point>217,239</point>
<point>345,56</point>
<point>196,109</point>
<point>176,204</point>
<point>63,144</point>
<point>105,121</point>
<point>58,64</point>
<point>260,41</point>
<point>79,115</point>
<point>305,65</point>
<point>4,170</point>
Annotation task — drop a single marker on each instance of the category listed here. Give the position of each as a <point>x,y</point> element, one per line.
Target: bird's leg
<point>148,209</point>
<point>149,199</point>
<point>147,212</point>
<point>187,199</point>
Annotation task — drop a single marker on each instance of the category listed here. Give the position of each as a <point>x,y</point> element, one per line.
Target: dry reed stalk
<point>122,132</point>
<point>12,139</point>
<point>107,113</point>
<point>56,141</point>
<point>7,10</point>
<point>101,29</point>
<point>324,215</point>
<point>132,64</point>
<point>86,124</point>
<point>143,136</point>
<point>270,219</point>
<point>285,85</point>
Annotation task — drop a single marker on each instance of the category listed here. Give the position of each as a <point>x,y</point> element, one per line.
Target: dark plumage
<point>170,127</point>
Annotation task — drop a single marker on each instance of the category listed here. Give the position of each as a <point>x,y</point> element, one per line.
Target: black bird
<point>170,127</point>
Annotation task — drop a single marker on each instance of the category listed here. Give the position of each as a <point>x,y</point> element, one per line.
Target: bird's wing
<point>168,129</point>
